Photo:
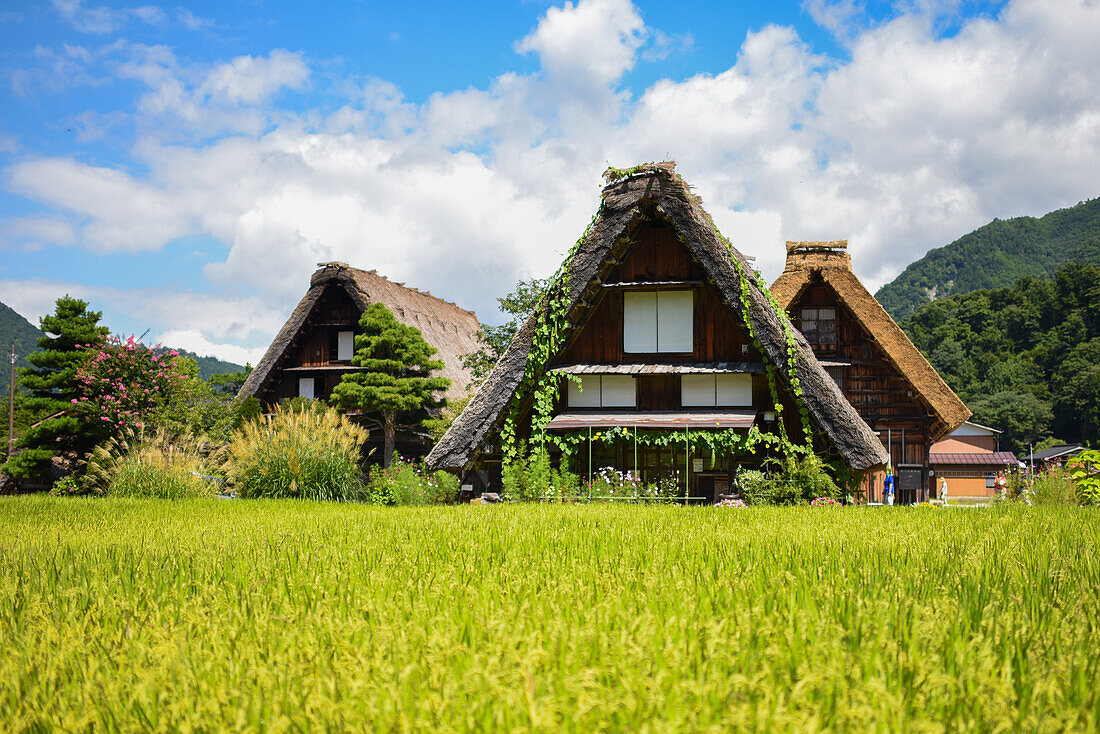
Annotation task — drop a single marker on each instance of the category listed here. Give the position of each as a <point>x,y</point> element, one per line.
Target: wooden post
<point>11,405</point>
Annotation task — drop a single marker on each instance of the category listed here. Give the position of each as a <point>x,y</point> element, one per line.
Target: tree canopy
<point>1025,359</point>
<point>397,383</point>
<point>49,387</point>
<point>495,339</point>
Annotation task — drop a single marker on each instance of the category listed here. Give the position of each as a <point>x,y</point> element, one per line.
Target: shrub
<point>1052,487</point>
<point>153,464</point>
<point>1084,470</point>
<point>802,479</point>
<point>410,483</point>
<point>68,486</point>
<point>755,487</point>
<point>311,453</point>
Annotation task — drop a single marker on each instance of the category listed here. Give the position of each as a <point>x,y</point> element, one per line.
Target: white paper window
<point>586,394</point>
<point>733,390</point>
<point>640,321</point>
<point>617,391</point>
<point>704,391</point>
<point>345,345</point>
<point>305,387</point>
<point>675,331</point>
<point>697,391</point>
<point>658,321</point>
<point>603,391</point>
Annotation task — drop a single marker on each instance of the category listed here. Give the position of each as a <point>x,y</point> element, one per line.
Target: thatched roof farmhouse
<point>884,376</point>
<point>666,324</point>
<point>313,349</point>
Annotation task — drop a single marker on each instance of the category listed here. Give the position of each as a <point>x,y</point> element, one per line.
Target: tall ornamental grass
<point>308,453</point>
<point>151,464</point>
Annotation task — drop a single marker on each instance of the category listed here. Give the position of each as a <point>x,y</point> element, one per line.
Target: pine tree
<point>397,381</point>
<point>49,386</point>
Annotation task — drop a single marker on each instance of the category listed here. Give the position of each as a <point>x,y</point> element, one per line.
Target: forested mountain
<point>14,329</point>
<point>996,255</point>
<point>1025,359</point>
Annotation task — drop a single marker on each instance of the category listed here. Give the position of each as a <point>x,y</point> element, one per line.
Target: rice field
<point>273,616</point>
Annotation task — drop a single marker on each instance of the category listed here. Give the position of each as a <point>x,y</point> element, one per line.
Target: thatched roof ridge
<point>447,327</point>
<point>835,268</point>
<point>645,192</point>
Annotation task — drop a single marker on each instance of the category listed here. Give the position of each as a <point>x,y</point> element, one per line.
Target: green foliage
<point>996,256</point>
<point>755,486</point>
<point>437,426</point>
<point>801,479</point>
<point>531,478</point>
<point>69,486</point>
<point>1052,487</point>
<point>1024,418</point>
<point>49,386</point>
<point>1084,470</point>
<point>197,615</point>
<point>517,305</point>
<point>227,383</point>
<point>397,378</point>
<point>410,483</point>
<point>308,454</point>
<point>1028,355</point>
<point>151,463</point>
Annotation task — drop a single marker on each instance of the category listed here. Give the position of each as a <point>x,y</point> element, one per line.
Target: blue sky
<point>184,166</point>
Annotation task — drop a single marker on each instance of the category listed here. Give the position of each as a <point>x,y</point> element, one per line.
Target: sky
<point>185,166</point>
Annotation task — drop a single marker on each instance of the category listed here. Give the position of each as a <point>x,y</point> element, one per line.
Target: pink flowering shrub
<point>409,482</point>
<point>730,503</point>
<point>824,502</point>
<point>123,384</point>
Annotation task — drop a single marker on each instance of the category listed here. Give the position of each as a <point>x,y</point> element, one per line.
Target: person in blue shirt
<point>888,486</point>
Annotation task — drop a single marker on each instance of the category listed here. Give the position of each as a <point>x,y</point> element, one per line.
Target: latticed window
<point>819,326</point>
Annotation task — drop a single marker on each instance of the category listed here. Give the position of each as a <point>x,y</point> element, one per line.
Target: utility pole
<point>11,404</point>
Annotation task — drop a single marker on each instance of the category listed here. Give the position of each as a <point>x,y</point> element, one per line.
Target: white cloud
<point>35,232</point>
<point>104,19</point>
<point>192,22</point>
<point>122,213</point>
<point>915,140</point>
<point>194,341</point>
<point>594,40</point>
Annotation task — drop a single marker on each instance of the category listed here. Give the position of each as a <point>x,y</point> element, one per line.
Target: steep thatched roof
<point>448,328</point>
<point>832,262</point>
<point>651,192</point>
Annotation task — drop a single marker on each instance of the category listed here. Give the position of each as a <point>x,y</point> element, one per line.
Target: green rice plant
<point>151,464</point>
<point>139,615</point>
<point>307,453</point>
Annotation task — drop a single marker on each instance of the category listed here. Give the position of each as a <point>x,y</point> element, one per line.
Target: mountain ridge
<point>996,255</point>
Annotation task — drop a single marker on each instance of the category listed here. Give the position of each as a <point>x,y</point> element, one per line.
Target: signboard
<point>697,465</point>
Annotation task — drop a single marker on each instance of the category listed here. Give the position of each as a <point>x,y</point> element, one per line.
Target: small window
<point>603,391</point>
<point>702,391</point>
<point>658,321</point>
<point>305,387</point>
<point>837,373</point>
<point>819,326</point>
<point>346,346</point>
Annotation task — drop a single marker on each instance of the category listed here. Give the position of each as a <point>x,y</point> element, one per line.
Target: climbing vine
<point>540,383</point>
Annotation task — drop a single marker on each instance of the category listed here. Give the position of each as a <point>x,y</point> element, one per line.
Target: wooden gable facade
<point>885,378</point>
<point>657,339</point>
